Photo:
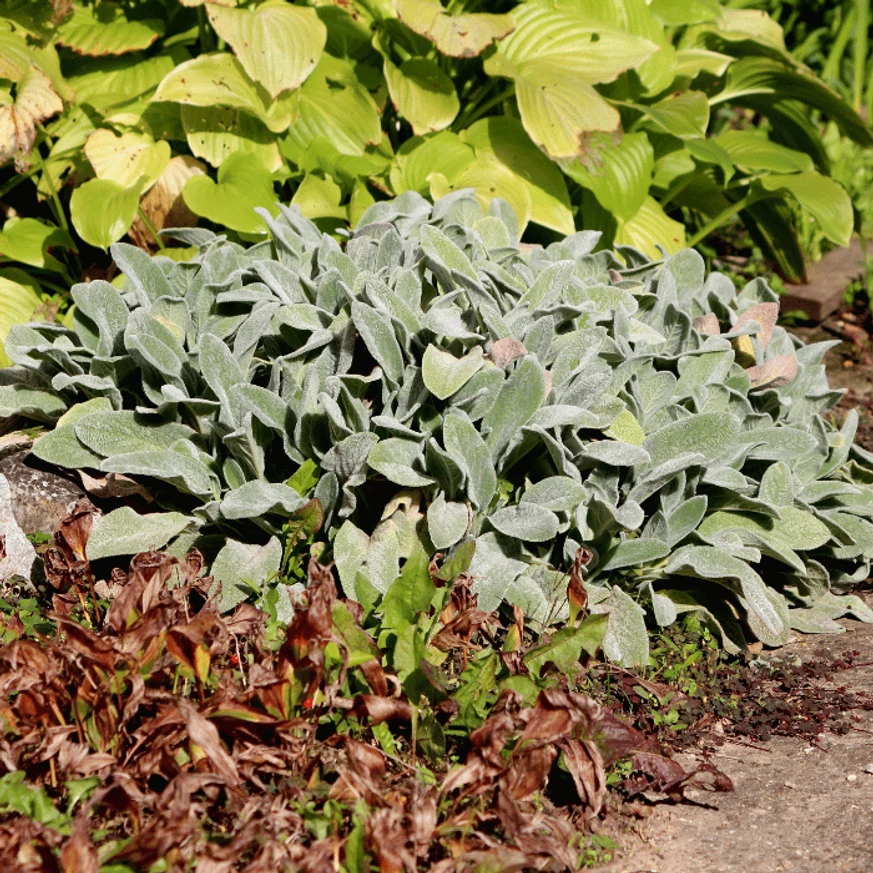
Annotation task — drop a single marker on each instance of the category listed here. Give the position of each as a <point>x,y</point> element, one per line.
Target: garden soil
<point>800,804</point>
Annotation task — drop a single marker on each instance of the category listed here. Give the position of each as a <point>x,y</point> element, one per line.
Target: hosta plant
<point>430,385</point>
<point>627,116</point>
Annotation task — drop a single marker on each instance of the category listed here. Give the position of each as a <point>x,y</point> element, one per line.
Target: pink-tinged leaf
<point>766,315</point>
<point>775,372</point>
<point>707,324</point>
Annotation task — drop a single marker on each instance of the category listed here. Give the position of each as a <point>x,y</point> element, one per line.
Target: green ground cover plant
<point>431,387</point>
<point>121,118</point>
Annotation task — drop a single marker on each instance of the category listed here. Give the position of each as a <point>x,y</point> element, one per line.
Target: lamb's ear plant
<point>429,384</point>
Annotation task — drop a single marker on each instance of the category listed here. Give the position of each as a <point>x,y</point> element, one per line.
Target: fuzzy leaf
<point>124,532</point>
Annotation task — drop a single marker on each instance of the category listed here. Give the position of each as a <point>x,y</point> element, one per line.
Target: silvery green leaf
<point>468,450</point>
<point>61,446</point>
<point>708,562</point>
<point>493,570</point>
<point>447,321</point>
<point>444,374</point>
<point>635,553</point>
<point>125,532</point>
<point>526,521</point>
<point>858,531</point>
<point>243,568</point>
<point>101,303</point>
<point>797,528</point>
<point>327,493</point>
<point>349,554</point>
<point>480,393</point>
<point>626,641</point>
<point>727,477</point>
<point>95,386</point>
<point>31,403</point>
<point>557,493</point>
<point>813,492</point>
<point>153,344</point>
<point>377,332</point>
<point>445,467</point>
<point>121,431</point>
<point>444,254</point>
<point>561,415</point>
<point>839,605</point>
<point>169,466</point>
<point>663,607</point>
<point>520,396</point>
<point>349,457</point>
<point>778,443</point>
<point>394,459</point>
<point>220,368</point>
<point>254,499</point>
<point>144,277</point>
<point>656,478</point>
<point>267,407</point>
<point>549,285</point>
<point>447,522</point>
<point>777,485</point>
<point>524,592</point>
<point>841,444</point>
<point>685,519</point>
<point>616,454</point>
<point>644,334</point>
<point>813,620</point>
<point>762,628</point>
<point>712,434</point>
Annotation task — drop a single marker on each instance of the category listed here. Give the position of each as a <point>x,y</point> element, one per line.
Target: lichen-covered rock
<point>39,499</point>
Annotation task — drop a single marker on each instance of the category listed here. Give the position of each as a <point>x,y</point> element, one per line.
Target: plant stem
<point>727,214</point>
<point>151,228</point>
<point>483,109</point>
<point>859,60</point>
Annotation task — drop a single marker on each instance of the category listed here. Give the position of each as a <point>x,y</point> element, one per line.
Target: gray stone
<point>16,551</point>
<point>39,499</point>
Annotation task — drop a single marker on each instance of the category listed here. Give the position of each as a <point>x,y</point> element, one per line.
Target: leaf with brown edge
<point>204,734</point>
<point>78,854</point>
<point>381,709</point>
<point>163,204</point>
<point>75,528</point>
<point>585,763</point>
<point>779,370</point>
<point>577,594</point>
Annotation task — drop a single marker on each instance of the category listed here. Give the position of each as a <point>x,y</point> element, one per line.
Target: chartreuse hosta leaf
<point>427,385</point>
<point>459,36</point>
<point>106,30</point>
<point>278,44</point>
<point>102,211</point>
<point>132,159</point>
<point>555,56</point>
<point>422,93</point>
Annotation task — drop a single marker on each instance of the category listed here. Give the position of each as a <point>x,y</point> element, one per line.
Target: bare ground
<point>797,806</point>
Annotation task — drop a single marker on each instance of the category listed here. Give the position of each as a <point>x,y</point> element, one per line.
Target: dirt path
<point>796,806</point>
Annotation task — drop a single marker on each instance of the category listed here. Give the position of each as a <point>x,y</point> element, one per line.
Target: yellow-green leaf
<point>102,211</point>
<point>278,44</point>
<point>650,227</point>
<point>19,300</point>
<point>129,159</point>
<point>423,94</point>
<point>508,141</point>
<point>214,133</point>
<point>824,198</point>
<point>104,29</point>
<point>243,183</point>
<point>459,36</point>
